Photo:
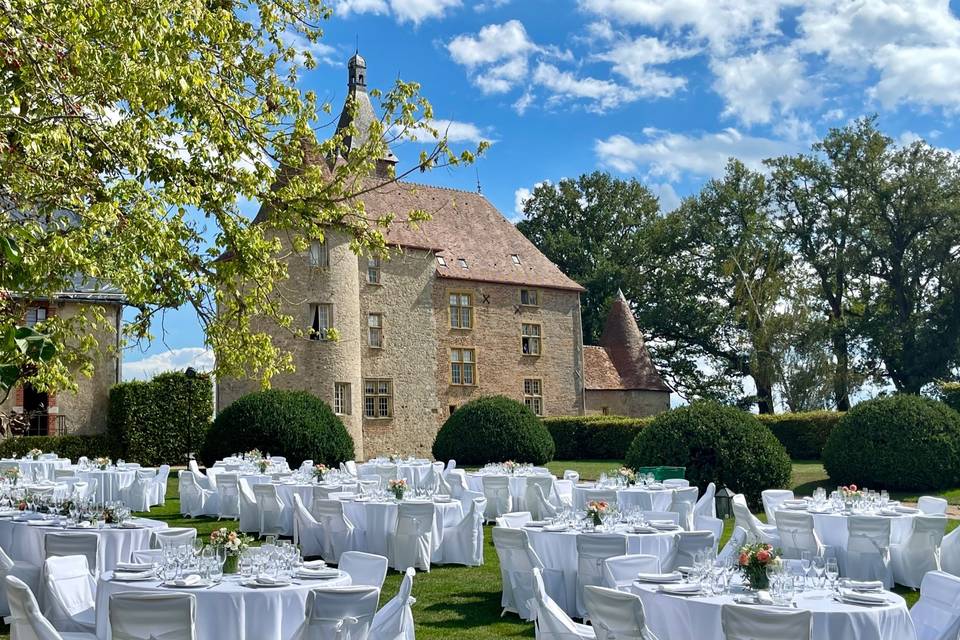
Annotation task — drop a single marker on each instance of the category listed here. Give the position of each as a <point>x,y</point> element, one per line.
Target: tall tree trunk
<point>841,372</point>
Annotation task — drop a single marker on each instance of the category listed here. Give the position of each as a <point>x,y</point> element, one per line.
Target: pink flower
<point>763,556</point>
<point>744,560</point>
<point>853,487</point>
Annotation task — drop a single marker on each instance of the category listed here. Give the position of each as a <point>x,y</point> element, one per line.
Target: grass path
<point>464,602</point>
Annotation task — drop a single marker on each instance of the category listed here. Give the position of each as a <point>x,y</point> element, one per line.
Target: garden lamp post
<point>724,502</point>
<point>191,374</point>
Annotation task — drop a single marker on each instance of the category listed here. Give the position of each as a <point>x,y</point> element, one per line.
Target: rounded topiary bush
<point>896,442</point>
<point>715,443</point>
<point>293,424</point>
<point>493,429</point>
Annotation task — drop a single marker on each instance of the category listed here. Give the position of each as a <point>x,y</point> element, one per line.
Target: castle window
<point>319,254</point>
<point>463,367</point>
<point>516,259</point>
<point>533,395</point>
<point>341,398</point>
<point>463,263</point>
<point>441,261</point>
<point>321,319</point>
<point>529,297</point>
<point>373,270</point>
<point>377,398</point>
<point>530,339</point>
<point>375,330</point>
<point>461,310</point>
<point>35,315</point>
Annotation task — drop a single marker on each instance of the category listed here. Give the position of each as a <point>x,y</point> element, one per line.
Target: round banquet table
<point>641,498</point>
<point>229,610</point>
<point>378,519</point>
<point>558,552</point>
<point>110,482</point>
<point>286,491</point>
<point>698,617</point>
<point>518,486</point>
<point>415,473</point>
<point>23,541</point>
<point>37,470</point>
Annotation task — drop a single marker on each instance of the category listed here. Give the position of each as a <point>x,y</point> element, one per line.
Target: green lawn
<point>464,602</point>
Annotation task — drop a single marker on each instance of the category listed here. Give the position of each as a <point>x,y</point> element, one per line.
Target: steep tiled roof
<point>622,360</point>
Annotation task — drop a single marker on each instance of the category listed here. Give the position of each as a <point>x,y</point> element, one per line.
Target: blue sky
<point>660,90</point>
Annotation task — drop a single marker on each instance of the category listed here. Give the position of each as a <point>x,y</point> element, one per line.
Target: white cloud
<point>480,7</point>
<point>415,11</point>
<point>520,196</point>
<point>671,155</point>
<point>493,43</point>
<point>758,86</point>
<point>635,61</point>
<point>523,102</point>
<point>173,360</point>
<point>604,94</point>
<point>669,200</point>
<point>920,75</point>
<point>455,131</point>
<point>320,51</point>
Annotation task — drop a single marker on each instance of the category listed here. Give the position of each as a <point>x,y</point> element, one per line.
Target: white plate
<point>203,584</point>
<point>253,584</point>
<point>121,576</point>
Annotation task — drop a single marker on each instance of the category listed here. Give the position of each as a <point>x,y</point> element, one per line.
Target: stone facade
<point>626,402</point>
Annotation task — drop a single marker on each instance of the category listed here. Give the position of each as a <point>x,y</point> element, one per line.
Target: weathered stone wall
<point>496,336</point>
<point>635,403</point>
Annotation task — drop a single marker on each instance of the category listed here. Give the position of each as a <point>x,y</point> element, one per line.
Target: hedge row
<point>804,435</point>
<point>950,391</point>
<point>593,437</point>
<point>156,422</point>
<point>65,446</point>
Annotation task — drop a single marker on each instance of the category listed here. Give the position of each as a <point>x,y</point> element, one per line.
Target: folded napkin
<point>685,569</point>
<point>441,498</point>
<point>133,575</point>
<point>134,566</point>
<point>190,581</point>
<point>130,524</point>
<point>763,597</point>
<point>314,564</point>
<point>679,588</point>
<point>865,598</point>
<point>864,585</point>
<point>86,524</point>
<point>643,530</point>
<point>268,581</point>
<point>318,573</point>
<point>889,512</point>
<point>39,523</point>
<point>555,527</point>
<point>537,523</point>
<point>673,576</point>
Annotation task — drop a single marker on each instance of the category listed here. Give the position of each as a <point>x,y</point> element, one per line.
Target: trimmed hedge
<point>950,391</point>
<point>493,429</point>
<point>897,442</point>
<point>293,424</point>
<point>593,437</point>
<point>156,422</point>
<point>804,435</point>
<point>64,446</point>
<point>715,443</point>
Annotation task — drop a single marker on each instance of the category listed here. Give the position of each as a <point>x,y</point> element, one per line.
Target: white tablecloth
<point>378,520</point>
<point>558,551</point>
<point>659,499</point>
<point>25,542</point>
<point>415,473</point>
<point>229,610</point>
<point>110,483</point>
<point>686,618</point>
<point>36,470</point>
<point>518,487</point>
<point>286,491</point>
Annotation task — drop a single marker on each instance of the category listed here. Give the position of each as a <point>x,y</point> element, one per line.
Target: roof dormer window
<point>463,263</point>
<point>516,259</point>
<point>441,261</point>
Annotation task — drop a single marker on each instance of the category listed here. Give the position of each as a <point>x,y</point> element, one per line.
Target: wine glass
<point>832,572</point>
<point>806,562</point>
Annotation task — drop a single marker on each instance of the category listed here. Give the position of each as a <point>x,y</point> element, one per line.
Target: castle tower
<point>362,116</point>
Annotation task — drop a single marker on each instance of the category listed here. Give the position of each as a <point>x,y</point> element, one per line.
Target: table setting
<point>640,490</point>
<point>414,470</point>
<point>517,474</point>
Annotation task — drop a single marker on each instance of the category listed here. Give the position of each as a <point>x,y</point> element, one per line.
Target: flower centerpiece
<point>754,560</point>
<point>319,471</point>
<point>112,515</point>
<point>34,454</point>
<point>509,466</point>
<point>12,474</point>
<point>101,463</point>
<point>232,543</point>
<point>850,492</point>
<point>263,464</point>
<point>253,455</point>
<point>398,488</point>
<point>596,509</point>
<point>394,457</point>
<point>628,474</point>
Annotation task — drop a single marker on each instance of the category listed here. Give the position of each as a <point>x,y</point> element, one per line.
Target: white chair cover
<point>70,591</point>
<point>457,482</point>
<point>517,561</point>
<point>676,483</point>
<point>73,544</point>
<point>364,569</point>
<point>919,552</point>
<point>552,623</point>
<point>172,537</point>
<point>412,541</point>
<point>139,495</point>
<point>160,484</point>
<point>932,506</point>
<point>563,490</point>
<point>24,571</point>
<point>868,549</point>
<point>540,507</point>
<point>797,534</point>
<point>249,513</point>
<point>153,616</point>
<point>936,615</point>
<point>147,556</point>
<point>339,613</point>
<point>496,489</point>
<point>619,572</point>
<point>570,474</point>
<point>616,615</point>
<point>86,490</point>
<point>672,516</point>
<point>688,545</point>
<point>592,551</point>
<point>706,505</point>
<point>741,622</point>
<point>514,520</point>
<point>394,621</point>
<point>451,465</point>
<point>756,530</point>
<point>950,553</point>
<point>26,621</point>
<point>203,480</point>
<point>340,534</point>
<point>772,499</point>
<point>307,532</point>
<point>732,548</point>
<point>463,542</point>
<point>228,488</point>
<point>195,500</point>
<point>682,503</point>
<point>270,507</point>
